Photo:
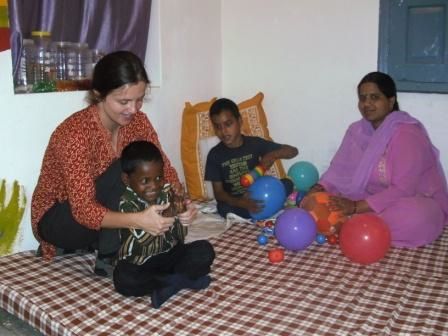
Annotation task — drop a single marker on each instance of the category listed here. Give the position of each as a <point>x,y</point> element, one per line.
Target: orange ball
<point>328,222</point>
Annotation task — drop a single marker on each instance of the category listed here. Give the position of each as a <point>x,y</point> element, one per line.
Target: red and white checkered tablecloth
<point>312,292</point>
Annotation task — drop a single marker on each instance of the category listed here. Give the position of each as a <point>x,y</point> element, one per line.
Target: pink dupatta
<point>361,149</point>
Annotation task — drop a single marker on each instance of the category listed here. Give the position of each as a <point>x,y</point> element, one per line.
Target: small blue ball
<point>262,239</point>
<point>321,239</point>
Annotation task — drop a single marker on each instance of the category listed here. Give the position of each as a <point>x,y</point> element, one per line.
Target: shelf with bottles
<point>47,66</point>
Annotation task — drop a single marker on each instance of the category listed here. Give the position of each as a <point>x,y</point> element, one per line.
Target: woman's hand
<point>345,205</point>
<point>316,188</point>
<point>187,217</point>
<point>304,203</point>
<point>151,220</point>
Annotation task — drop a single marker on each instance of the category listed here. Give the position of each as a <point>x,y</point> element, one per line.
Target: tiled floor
<point>13,326</point>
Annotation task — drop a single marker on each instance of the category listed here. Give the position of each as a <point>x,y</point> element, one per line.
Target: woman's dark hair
<point>224,104</point>
<point>385,84</point>
<point>138,152</point>
<point>113,71</point>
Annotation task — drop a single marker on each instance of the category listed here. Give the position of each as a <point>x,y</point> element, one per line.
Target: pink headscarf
<point>361,150</point>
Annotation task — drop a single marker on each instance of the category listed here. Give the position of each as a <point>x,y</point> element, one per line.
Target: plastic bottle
<point>24,79</point>
<point>45,73</point>
<point>64,64</point>
<point>83,65</point>
<point>96,56</point>
<point>61,59</point>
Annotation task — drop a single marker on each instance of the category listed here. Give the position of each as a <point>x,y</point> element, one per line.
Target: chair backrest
<point>198,138</point>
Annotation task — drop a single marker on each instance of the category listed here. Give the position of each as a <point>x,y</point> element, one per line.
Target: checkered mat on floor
<point>313,292</point>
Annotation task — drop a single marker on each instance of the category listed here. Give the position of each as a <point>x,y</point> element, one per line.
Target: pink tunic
<point>405,184</point>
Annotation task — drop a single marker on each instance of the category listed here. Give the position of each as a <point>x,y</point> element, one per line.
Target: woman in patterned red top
<point>75,202</point>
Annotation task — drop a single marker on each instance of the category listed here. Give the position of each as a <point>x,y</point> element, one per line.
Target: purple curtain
<point>106,25</point>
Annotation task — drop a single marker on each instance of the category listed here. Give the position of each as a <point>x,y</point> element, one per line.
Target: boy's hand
<point>253,206</point>
<point>268,160</point>
<point>180,198</point>
<point>178,188</point>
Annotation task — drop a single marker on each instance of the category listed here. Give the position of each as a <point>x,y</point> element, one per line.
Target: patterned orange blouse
<point>80,150</point>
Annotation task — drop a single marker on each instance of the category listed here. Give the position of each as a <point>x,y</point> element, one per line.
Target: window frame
<point>384,51</point>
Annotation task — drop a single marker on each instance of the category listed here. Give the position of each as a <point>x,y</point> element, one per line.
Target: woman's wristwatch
<point>355,207</point>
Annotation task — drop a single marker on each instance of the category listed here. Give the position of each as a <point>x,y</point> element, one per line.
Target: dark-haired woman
<point>387,164</point>
<point>74,205</point>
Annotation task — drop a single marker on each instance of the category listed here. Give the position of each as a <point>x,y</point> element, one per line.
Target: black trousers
<point>193,260</point>
<point>59,228</point>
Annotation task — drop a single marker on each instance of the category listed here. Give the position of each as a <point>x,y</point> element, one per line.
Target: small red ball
<point>246,180</point>
<point>333,239</point>
<point>276,255</point>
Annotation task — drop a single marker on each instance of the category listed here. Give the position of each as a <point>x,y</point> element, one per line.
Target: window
<point>413,44</point>
<point>68,34</point>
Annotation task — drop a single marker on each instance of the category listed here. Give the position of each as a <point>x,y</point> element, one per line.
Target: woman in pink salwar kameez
<point>387,164</point>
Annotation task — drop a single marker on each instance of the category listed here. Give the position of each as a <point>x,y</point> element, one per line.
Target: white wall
<point>25,128</point>
<point>308,57</point>
<point>191,71</point>
<point>190,66</point>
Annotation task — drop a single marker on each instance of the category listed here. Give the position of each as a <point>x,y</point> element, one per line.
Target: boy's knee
<point>198,260</point>
<point>205,250</point>
<point>224,209</point>
<point>210,251</point>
